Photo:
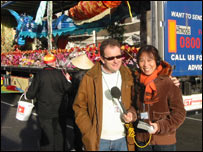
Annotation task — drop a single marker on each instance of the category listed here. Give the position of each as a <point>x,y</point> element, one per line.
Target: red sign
<point>21,109</point>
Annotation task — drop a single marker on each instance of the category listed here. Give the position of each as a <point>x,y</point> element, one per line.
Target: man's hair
<point>108,42</point>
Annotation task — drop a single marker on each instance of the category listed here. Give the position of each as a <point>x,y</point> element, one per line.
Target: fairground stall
<point>67,32</point>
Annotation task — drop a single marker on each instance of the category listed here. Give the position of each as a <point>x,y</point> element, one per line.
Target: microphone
<point>116,93</point>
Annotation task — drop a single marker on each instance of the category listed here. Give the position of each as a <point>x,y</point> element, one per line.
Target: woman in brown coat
<point>158,102</point>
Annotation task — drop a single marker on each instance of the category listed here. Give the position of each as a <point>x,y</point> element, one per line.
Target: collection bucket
<point>24,109</point>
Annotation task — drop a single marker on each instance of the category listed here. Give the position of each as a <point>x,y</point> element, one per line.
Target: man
<point>49,87</point>
<point>97,113</point>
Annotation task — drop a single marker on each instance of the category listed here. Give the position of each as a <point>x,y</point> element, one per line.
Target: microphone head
<point>115,92</point>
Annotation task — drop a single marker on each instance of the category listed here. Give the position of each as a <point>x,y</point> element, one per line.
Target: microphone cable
<point>131,133</point>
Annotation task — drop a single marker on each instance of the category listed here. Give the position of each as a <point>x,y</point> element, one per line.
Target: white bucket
<point>24,109</point>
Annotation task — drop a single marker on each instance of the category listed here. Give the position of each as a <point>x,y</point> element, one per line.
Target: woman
<point>159,101</point>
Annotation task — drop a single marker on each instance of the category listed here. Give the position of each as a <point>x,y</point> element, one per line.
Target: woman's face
<point>147,63</point>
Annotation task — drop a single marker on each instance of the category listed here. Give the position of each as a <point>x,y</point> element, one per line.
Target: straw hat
<point>49,58</point>
<point>82,62</point>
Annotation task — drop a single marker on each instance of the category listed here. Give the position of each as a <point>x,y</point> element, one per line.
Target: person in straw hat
<point>81,65</point>
<point>48,87</point>
<point>82,62</point>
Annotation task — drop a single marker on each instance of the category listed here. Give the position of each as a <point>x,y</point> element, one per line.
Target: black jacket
<point>49,87</point>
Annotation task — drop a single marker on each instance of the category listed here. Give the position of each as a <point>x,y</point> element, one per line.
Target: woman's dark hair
<point>149,49</point>
<point>108,42</point>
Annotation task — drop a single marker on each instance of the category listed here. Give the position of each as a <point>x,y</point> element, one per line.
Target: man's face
<point>112,59</point>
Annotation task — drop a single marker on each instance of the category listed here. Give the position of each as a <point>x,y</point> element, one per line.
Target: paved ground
<point>23,136</point>
<point>17,135</point>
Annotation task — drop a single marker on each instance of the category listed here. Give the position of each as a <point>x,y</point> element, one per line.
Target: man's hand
<point>26,89</point>
<point>175,81</point>
<point>68,77</point>
<point>127,117</point>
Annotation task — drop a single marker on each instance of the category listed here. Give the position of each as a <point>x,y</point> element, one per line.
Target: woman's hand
<point>175,81</point>
<point>155,126</point>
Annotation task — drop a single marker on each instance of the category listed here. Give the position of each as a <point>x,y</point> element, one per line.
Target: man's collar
<point>104,71</point>
<point>49,67</point>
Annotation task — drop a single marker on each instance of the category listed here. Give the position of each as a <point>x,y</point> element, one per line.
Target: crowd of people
<point>149,94</point>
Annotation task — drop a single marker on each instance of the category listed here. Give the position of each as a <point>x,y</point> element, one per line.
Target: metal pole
<point>95,37</point>
<point>154,23</point>
<point>49,24</point>
<point>157,9</point>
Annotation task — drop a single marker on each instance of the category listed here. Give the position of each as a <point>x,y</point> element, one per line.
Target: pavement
<point>17,135</point>
<point>24,136</point>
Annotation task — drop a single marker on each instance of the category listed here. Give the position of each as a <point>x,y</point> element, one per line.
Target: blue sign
<point>183,37</point>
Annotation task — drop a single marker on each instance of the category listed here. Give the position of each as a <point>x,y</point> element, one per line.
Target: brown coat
<point>88,105</point>
<point>169,112</point>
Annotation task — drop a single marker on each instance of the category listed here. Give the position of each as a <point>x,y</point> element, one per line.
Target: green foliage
<point>116,31</point>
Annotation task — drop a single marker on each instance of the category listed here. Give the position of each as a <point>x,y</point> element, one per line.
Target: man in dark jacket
<point>49,87</point>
